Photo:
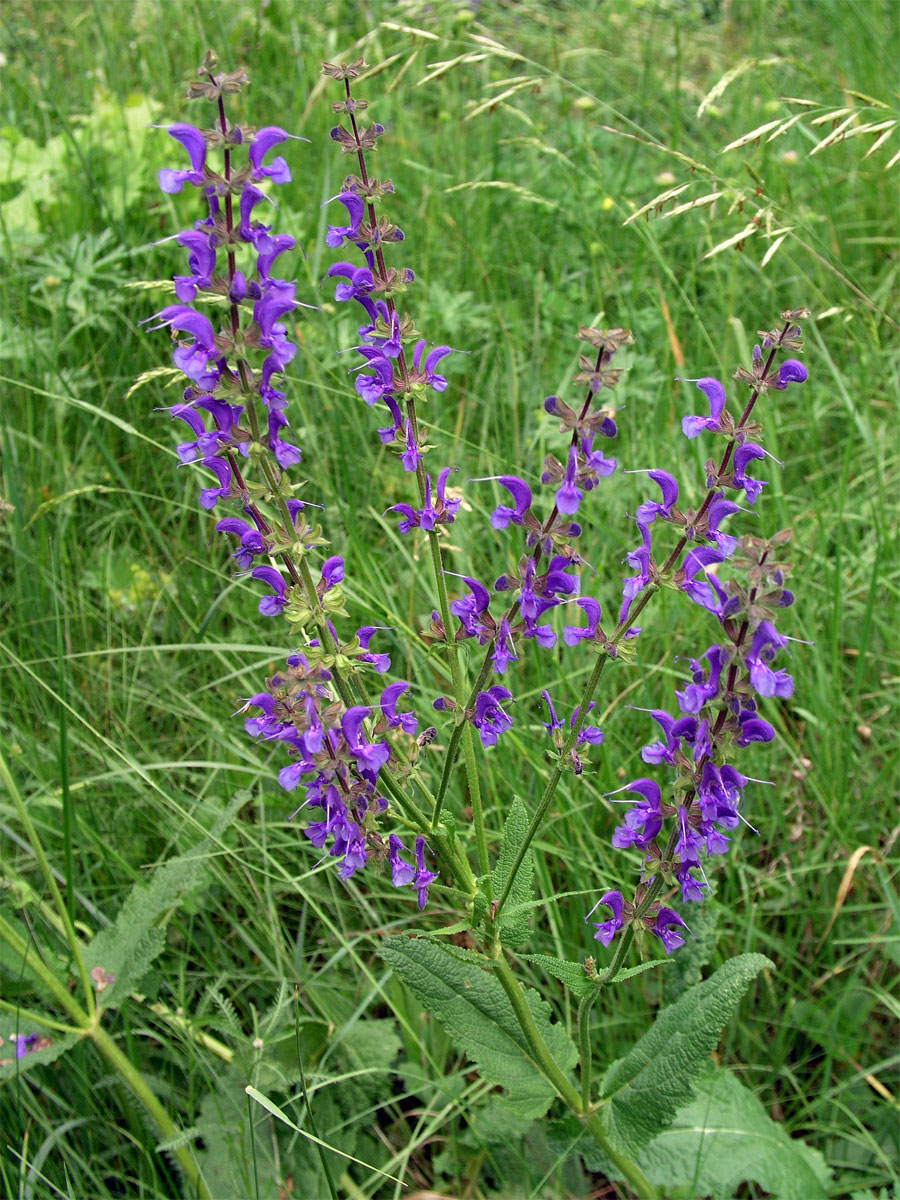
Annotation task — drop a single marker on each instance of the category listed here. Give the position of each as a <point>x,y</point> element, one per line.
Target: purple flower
<point>337,233</point>
<point>650,509</point>
<point>332,571</point>
<point>607,930</point>
<point>715,394</point>
<point>369,757</point>
<point>250,197</point>
<point>263,141</point>
<point>489,718</point>
<point>573,634</point>
<point>764,681</point>
<point>718,511</point>
<point>251,542</point>
<point>667,922</point>
<point>594,462</point>
<point>521,497</point>
<point>209,497</point>
<point>431,379</point>
<point>569,495</point>
<point>708,594</point>
<point>468,608</point>
<point>360,281</point>
<point>277,301</point>
<point>424,878</point>
<point>192,358</point>
<point>790,371</point>
<point>554,722</point>
<point>743,456</point>
<point>271,606</point>
<point>691,889</point>
<point>704,687</point>
<point>268,248</point>
<point>388,703</point>
<point>401,872</point>
<point>642,822</point>
<point>411,455</point>
<point>674,729</point>
<point>753,728</point>
<point>201,264</point>
<point>379,662</point>
<point>373,387</point>
<point>503,648</point>
<point>195,143</point>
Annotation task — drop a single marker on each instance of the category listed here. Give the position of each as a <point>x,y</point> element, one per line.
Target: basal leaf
<point>642,1091</point>
<point>473,1008</point>
<point>513,923</point>
<point>724,1138</point>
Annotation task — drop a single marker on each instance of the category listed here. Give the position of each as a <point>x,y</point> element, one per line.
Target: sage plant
<point>370,794</point>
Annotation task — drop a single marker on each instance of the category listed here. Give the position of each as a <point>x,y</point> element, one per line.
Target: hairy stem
<point>564,1088</point>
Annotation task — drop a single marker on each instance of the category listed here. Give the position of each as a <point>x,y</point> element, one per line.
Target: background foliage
<point>126,645</point>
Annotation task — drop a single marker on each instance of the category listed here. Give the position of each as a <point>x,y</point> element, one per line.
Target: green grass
<point>126,646</point>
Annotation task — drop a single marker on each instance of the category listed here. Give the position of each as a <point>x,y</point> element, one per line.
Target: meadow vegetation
<point>522,139</point>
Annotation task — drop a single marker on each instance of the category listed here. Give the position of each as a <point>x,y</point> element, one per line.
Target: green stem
<point>50,881</point>
<point>167,1127</point>
<point>29,1017</point>
<point>543,1058</point>
<point>567,1093</point>
<point>38,968</point>
<point>584,1047</point>
<point>640,1184</point>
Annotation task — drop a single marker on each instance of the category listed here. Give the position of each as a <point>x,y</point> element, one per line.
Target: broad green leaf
<point>127,948</point>
<point>473,1008</point>
<point>642,1091</point>
<point>724,1138</point>
<point>514,924</point>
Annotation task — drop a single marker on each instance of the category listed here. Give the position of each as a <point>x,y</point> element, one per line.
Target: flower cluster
<point>389,374</point>
<point>236,415</point>
<point>337,762</point>
<point>233,351</point>
<point>544,579</point>
<point>718,708</point>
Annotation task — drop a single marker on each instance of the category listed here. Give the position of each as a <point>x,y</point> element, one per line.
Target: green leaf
<point>473,1008</point>
<point>642,1091</point>
<point>513,923</point>
<point>724,1138</point>
<point>127,948</point>
<point>577,981</point>
<point>569,973</point>
<point>630,972</point>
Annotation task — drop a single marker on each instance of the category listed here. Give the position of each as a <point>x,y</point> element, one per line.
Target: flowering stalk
<point>317,706</point>
<point>719,707</point>
<point>395,379</point>
<point>702,526</point>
